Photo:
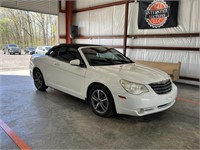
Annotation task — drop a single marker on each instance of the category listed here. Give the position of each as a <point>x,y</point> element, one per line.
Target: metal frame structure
<point>69,13</point>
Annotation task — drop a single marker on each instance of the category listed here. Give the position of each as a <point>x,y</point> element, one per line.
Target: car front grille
<point>15,49</point>
<point>162,87</point>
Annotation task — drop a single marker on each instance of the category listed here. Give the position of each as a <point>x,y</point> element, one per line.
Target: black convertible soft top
<point>76,46</point>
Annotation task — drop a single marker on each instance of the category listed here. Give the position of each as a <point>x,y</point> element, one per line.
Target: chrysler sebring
<point>109,81</point>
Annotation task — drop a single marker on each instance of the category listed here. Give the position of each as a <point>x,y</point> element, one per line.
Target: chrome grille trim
<point>162,87</point>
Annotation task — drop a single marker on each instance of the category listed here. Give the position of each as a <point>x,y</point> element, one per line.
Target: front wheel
<point>101,101</point>
<point>39,80</point>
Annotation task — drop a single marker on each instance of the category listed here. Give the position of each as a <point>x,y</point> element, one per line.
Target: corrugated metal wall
<point>110,21</point>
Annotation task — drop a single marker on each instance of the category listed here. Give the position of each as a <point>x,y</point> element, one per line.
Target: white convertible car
<point>105,78</point>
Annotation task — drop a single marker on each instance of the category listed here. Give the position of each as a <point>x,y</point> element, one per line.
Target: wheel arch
<point>95,84</point>
<point>98,83</point>
<point>36,68</point>
<point>44,87</point>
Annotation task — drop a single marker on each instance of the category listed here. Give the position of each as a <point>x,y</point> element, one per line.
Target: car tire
<point>101,101</point>
<point>19,53</point>
<point>10,53</point>
<point>4,53</point>
<point>39,80</point>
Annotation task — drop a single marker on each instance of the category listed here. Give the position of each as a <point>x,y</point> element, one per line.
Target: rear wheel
<point>39,80</point>
<point>19,53</point>
<point>101,101</point>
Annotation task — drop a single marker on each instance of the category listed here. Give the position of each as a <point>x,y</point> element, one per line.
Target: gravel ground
<point>14,62</point>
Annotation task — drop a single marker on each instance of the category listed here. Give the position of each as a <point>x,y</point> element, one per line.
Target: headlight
<point>133,88</point>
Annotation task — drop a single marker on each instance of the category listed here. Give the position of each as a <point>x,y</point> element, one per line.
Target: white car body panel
<point>41,50</point>
<point>75,81</point>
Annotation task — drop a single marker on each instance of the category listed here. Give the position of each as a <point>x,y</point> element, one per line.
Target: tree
<point>27,28</point>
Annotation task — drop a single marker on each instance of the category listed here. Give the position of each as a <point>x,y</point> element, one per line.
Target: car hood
<point>135,73</point>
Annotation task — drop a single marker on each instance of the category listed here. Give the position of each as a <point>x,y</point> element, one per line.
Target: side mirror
<point>75,62</point>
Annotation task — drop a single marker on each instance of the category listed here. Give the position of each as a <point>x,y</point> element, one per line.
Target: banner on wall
<point>155,14</point>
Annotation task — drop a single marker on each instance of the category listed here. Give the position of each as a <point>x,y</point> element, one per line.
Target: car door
<point>65,77</point>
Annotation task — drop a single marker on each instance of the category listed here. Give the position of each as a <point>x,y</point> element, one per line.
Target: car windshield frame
<point>104,56</point>
<point>12,45</point>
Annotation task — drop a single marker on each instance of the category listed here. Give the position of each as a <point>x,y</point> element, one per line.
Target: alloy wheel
<point>38,79</point>
<point>99,101</point>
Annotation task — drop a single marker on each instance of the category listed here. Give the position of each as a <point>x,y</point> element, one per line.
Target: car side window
<point>73,53</point>
<point>66,54</point>
<point>60,54</point>
<point>54,53</point>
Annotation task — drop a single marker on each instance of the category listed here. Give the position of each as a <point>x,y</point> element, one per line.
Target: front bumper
<point>15,51</point>
<point>144,104</point>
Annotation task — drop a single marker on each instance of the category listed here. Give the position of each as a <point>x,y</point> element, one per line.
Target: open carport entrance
<point>26,24</point>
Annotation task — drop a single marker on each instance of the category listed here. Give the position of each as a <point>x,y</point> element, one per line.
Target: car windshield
<point>100,56</point>
<point>12,45</point>
<point>31,48</point>
<point>48,47</point>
